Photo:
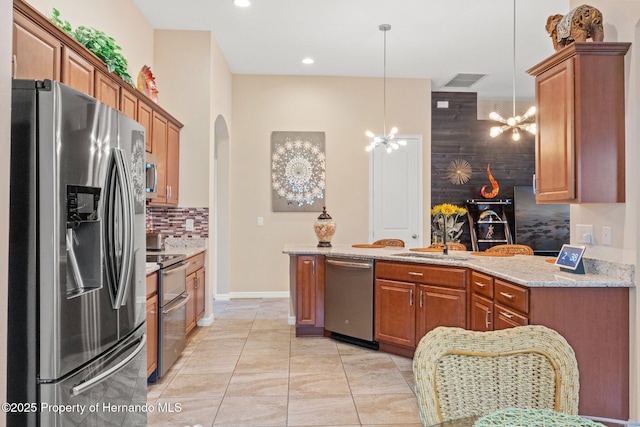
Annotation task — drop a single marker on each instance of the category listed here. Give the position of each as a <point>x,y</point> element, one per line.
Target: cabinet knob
<point>414,236</point>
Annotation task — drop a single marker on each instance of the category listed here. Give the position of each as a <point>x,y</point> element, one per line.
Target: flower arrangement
<point>446,217</point>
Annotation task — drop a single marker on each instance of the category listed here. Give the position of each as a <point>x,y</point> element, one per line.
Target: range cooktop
<point>165,260</point>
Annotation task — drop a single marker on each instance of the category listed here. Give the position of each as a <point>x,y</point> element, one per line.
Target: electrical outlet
<point>260,222</point>
<point>189,225</point>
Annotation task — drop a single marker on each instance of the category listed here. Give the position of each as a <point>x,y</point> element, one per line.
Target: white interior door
<point>396,193</point>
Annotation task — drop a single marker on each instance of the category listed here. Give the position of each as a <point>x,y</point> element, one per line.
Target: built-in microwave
<point>151,167</point>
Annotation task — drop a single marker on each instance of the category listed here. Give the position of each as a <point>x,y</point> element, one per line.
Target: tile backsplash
<point>171,221</point>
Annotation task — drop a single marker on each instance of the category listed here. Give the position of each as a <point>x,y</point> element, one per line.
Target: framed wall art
<point>297,171</point>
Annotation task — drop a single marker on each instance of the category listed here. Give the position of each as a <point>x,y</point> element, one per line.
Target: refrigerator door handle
<point>126,198</point>
<point>82,387</point>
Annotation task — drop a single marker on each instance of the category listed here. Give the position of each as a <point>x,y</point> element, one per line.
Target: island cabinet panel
<point>307,284</point>
<point>439,306</point>
<point>595,322</point>
<point>481,313</point>
<point>580,139</point>
<point>36,53</point>
<point>412,299</point>
<point>395,312</point>
<point>496,304</point>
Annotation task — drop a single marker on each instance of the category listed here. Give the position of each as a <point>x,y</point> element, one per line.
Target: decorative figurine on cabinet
<point>581,23</point>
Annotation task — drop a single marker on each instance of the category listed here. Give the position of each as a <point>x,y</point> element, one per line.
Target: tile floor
<point>249,369</point>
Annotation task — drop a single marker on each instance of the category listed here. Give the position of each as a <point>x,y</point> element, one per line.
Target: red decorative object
<point>494,187</point>
<point>147,83</point>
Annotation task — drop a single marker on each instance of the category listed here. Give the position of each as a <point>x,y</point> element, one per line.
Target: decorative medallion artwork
<point>458,171</point>
<point>297,171</point>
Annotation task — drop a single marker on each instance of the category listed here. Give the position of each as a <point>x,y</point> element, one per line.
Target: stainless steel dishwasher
<point>348,303</point>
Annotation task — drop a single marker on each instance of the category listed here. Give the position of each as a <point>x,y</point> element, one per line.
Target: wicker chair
<point>512,249</point>
<point>390,242</point>
<point>460,373</point>
<point>453,246</point>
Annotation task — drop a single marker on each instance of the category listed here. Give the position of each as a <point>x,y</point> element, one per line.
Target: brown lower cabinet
<point>412,299</point>
<point>196,290</point>
<point>496,304</point>
<point>306,276</point>
<point>152,323</point>
<point>594,321</point>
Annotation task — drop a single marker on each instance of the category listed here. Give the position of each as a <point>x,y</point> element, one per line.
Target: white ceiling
<point>428,38</point>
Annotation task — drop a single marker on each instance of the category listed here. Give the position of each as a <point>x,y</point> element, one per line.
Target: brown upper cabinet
<point>41,51</point>
<point>580,140</point>
<point>36,53</point>
<point>77,72</point>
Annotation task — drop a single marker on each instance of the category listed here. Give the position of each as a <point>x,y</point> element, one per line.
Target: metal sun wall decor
<point>458,171</point>
<point>297,171</point>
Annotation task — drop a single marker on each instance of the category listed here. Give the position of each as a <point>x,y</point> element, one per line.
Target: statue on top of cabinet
<point>580,24</point>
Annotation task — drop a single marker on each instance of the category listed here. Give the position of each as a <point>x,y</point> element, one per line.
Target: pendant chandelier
<point>387,141</point>
<point>514,123</point>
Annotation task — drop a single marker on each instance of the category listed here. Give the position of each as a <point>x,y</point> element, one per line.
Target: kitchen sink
<point>433,255</point>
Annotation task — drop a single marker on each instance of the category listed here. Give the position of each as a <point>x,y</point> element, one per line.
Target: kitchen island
<point>415,292</point>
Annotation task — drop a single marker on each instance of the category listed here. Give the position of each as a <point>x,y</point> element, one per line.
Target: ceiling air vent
<point>464,80</point>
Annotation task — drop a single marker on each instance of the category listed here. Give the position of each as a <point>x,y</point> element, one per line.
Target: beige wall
<point>622,23</point>
<point>183,58</point>
<point>341,107</point>
<point>119,19</point>
<point>5,132</point>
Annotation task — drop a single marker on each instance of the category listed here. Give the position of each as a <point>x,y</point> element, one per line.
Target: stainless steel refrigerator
<point>77,333</point>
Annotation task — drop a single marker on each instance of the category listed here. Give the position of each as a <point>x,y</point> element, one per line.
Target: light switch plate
<point>260,221</point>
<point>606,236</point>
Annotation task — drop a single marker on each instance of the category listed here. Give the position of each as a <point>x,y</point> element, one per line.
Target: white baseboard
<point>240,295</point>
<point>222,297</point>
<point>206,321</point>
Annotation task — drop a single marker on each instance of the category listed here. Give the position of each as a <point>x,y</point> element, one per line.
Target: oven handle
<point>349,264</point>
<point>179,305</point>
<point>183,266</point>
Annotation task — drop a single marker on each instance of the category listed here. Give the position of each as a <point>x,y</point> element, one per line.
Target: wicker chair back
<point>460,373</point>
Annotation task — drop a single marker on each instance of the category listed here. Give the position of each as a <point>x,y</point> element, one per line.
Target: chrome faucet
<point>445,251</point>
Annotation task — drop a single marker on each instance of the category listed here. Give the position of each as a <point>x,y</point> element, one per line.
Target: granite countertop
<point>531,271</point>
<point>187,246</point>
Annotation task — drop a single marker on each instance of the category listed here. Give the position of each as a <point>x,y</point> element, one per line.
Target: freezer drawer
<point>106,392</point>
<point>349,297</point>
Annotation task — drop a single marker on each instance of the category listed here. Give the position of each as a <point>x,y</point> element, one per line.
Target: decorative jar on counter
<point>324,227</point>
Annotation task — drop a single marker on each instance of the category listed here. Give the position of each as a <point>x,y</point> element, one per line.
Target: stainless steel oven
<point>172,300</point>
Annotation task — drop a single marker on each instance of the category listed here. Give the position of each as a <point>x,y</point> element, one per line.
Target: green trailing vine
<point>103,46</point>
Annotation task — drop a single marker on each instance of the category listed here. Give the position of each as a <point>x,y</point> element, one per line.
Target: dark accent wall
<point>458,134</point>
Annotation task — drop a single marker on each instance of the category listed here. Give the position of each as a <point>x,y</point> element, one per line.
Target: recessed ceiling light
<point>308,61</point>
<point>242,3</point>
